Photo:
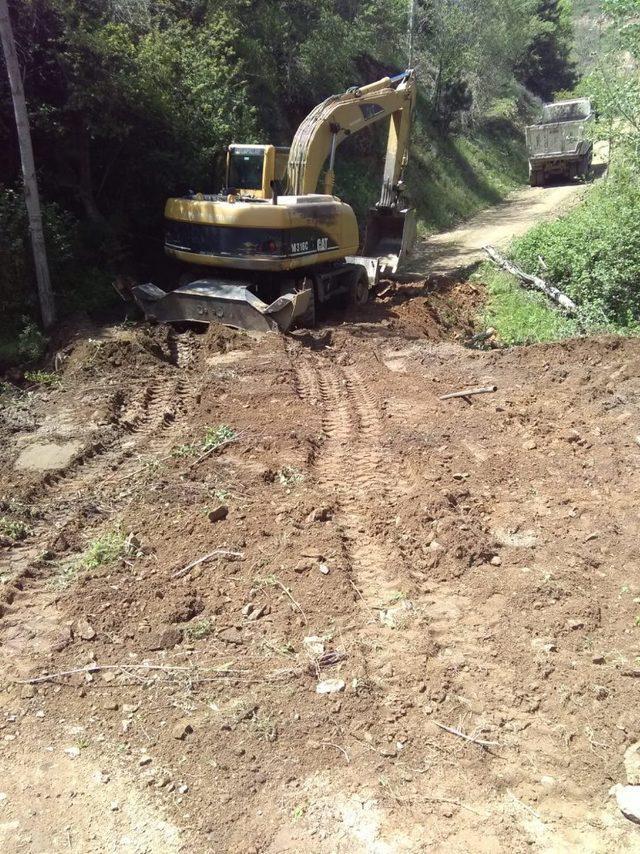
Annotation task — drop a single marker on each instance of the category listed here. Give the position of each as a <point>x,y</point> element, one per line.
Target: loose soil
<point>468,564</point>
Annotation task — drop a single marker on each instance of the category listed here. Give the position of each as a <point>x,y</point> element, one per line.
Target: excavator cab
<point>252,168</point>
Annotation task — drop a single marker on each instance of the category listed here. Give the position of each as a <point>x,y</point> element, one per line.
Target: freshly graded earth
<point>277,596</point>
<point>469,564</point>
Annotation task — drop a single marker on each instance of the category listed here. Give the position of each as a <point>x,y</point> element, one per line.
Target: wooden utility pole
<point>31,196</point>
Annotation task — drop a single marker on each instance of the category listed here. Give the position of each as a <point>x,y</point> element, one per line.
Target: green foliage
<point>42,378</point>
<point>214,438</point>
<point>104,550</point>
<point>468,49</point>
<point>290,476</point>
<point>199,630</point>
<point>593,253</point>
<point>548,66</point>
<point>14,530</point>
<point>31,343</point>
<point>614,83</point>
<point>519,316</point>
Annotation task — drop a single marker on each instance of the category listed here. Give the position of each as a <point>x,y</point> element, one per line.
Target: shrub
<point>593,253</point>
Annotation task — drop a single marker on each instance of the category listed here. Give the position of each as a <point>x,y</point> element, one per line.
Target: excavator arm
<point>340,116</point>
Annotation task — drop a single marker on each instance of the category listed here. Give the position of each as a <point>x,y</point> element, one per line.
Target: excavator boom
<point>340,116</point>
<point>389,230</point>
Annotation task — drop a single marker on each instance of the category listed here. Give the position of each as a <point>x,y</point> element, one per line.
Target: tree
<point>468,50</point>
<point>549,67</point>
<point>31,195</point>
<point>614,83</point>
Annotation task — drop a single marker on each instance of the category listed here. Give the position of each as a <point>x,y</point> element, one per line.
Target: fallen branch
<point>217,447</point>
<point>216,553</point>
<point>529,281</point>
<point>96,668</point>
<point>470,738</point>
<point>337,747</point>
<point>468,392</point>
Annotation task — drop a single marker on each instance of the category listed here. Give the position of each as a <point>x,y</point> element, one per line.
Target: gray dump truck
<point>559,144</point>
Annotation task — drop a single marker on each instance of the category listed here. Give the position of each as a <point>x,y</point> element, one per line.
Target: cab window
<point>245,170</point>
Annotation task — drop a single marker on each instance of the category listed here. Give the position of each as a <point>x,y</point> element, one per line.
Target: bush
<point>519,316</point>
<point>593,253</point>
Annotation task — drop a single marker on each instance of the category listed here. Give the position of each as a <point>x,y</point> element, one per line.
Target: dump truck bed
<point>556,140</point>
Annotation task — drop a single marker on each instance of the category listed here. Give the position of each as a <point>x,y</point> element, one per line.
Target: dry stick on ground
<point>337,747</point>
<point>466,737</point>
<point>428,799</point>
<point>296,605</point>
<point>216,553</point>
<point>95,668</point>
<point>363,600</point>
<point>212,450</point>
<point>469,392</point>
<point>529,281</point>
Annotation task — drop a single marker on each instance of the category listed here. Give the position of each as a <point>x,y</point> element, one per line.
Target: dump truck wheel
<point>359,290</point>
<point>584,166</point>
<point>535,178</point>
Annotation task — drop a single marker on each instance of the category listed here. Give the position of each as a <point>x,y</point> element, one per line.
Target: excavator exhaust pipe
<point>390,236</point>
<point>210,301</point>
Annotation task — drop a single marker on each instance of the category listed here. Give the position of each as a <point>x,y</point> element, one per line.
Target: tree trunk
<point>85,180</point>
<point>529,281</point>
<point>31,196</point>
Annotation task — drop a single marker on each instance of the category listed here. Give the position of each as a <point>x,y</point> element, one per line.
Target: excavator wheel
<point>359,290</point>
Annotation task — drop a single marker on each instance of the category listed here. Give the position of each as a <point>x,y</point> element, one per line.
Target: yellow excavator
<point>266,250</point>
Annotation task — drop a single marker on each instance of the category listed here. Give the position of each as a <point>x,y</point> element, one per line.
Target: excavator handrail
<point>340,116</point>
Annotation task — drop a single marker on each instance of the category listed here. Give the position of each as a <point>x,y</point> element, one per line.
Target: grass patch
<point>104,550</point>
<point>199,630</point>
<point>13,530</point>
<point>519,316</point>
<point>214,438</point>
<point>43,378</point>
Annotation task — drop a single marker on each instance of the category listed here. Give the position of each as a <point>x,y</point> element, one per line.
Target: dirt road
<point>460,248</point>
<point>277,596</point>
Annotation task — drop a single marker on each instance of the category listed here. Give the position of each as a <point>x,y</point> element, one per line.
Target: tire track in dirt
<point>306,383</point>
<point>353,470</point>
<point>162,402</point>
<point>29,619</point>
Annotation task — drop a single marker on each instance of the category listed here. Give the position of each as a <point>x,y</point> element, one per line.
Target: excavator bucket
<point>390,235</point>
<point>212,300</point>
